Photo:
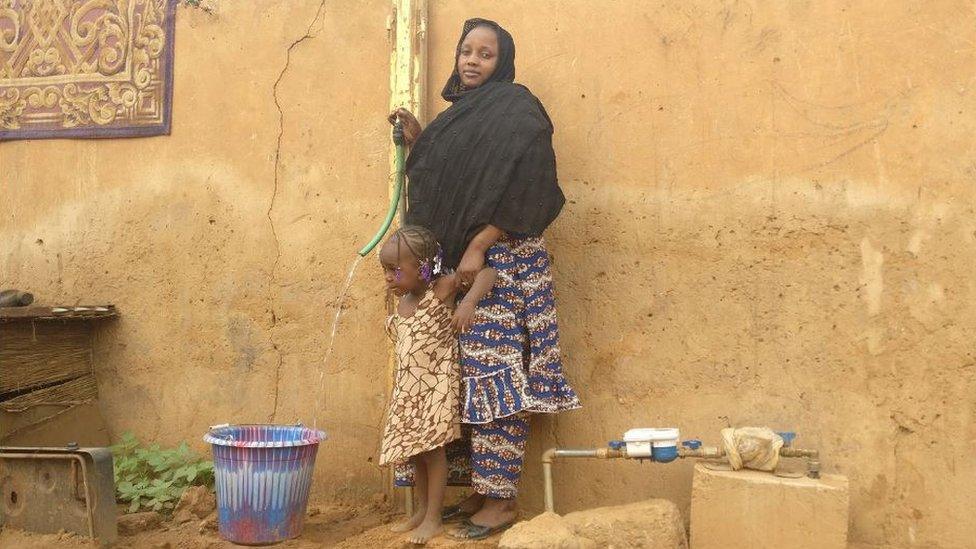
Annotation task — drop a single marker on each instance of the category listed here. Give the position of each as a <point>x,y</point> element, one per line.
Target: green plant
<point>153,478</point>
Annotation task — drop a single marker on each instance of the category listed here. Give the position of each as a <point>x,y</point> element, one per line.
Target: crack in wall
<point>274,195</point>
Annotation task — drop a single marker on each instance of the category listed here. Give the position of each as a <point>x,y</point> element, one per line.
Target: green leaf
<point>150,477</point>
<point>134,506</point>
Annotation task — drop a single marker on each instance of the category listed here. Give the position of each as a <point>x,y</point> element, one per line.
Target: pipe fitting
<point>813,468</point>
<point>798,453</point>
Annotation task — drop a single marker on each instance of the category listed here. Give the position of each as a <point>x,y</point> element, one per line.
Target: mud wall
<point>770,221</point>
<point>224,245</point>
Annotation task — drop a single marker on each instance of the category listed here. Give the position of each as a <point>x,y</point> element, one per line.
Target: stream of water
<point>335,328</point>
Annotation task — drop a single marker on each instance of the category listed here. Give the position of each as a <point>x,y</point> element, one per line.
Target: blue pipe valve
<point>616,445</point>
<point>692,444</point>
<point>787,437</point>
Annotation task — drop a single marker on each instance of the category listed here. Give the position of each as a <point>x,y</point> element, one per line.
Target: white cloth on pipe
<point>752,448</point>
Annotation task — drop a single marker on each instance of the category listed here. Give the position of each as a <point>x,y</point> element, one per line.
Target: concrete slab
<point>751,509</point>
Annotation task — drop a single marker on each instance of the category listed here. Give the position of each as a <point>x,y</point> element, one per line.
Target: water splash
<point>335,328</point>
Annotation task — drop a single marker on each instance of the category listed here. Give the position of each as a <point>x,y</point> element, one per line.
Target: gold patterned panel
<point>85,68</point>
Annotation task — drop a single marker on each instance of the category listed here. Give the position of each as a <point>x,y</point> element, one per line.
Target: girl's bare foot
<point>426,530</point>
<point>411,522</point>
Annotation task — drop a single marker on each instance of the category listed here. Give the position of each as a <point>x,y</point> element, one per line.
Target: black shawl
<point>487,159</point>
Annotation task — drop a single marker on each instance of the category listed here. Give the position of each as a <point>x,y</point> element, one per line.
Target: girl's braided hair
<point>423,245</point>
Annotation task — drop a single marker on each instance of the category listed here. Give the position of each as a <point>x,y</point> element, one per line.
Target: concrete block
<point>751,509</point>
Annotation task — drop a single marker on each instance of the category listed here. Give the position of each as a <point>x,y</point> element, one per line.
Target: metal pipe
<point>702,452</point>
<point>799,453</point>
<point>547,477</point>
<point>552,453</point>
<point>575,453</point>
<point>707,452</point>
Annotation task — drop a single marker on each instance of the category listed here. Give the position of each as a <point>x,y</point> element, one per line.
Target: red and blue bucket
<point>263,474</point>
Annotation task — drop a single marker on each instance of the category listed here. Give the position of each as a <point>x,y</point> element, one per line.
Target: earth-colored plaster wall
<point>224,263</point>
<point>770,220</point>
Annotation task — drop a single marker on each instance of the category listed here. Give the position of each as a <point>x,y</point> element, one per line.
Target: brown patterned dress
<point>424,409</point>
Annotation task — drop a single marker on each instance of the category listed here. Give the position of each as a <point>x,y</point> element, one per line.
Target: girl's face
<point>478,57</point>
<point>401,269</point>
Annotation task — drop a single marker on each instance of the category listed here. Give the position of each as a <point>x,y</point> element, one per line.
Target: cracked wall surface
<point>770,219</point>
<point>224,244</point>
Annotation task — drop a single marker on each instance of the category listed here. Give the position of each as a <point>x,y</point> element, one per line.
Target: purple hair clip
<point>431,267</point>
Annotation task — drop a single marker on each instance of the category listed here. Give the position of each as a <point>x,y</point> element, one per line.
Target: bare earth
<point>326,526</point>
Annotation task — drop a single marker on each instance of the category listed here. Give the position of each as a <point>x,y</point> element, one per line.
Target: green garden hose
<point>397,190</point>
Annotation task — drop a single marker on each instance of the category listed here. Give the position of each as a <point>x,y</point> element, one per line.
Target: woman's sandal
<point>472,531</point>
<point>454,513</point>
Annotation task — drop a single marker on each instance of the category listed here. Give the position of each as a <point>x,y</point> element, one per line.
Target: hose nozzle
<point>398,138</point>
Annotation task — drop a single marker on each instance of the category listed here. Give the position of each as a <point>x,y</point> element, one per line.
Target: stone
<point>546,531</point>
<point>134,523</point>
<point>209,524</point>
<point>196,503</point>
<point>748,509</point>
<point>650,524</point>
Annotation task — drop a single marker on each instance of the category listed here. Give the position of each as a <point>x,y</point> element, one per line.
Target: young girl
<point>424,410</point>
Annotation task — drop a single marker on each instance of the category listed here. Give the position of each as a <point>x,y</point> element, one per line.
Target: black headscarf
<point>487,159</point>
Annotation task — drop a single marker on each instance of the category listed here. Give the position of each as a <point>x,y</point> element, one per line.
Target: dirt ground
<point>326,526</point>
<point>339,526</point>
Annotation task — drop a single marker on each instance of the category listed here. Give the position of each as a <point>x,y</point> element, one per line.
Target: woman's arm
<point>474,255</point>
<point>464,314</point>
<point>445,288</point>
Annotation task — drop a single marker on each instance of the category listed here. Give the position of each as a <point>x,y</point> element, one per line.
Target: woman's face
<point>478,57</point>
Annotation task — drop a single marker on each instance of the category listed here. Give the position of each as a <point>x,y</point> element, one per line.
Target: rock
<point>651,524</point>
<point>139,522</point>
<point>196,503</point>
<point>209,524</point>
<point>546,531</point>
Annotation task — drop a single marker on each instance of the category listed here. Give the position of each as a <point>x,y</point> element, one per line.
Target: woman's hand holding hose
<point>411,127</point>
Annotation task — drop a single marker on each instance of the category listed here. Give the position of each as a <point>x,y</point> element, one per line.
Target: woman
<point>483,179</point>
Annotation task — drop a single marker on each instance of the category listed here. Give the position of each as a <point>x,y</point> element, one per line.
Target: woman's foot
<point>495,512</point>
<point>426,530</point>
<point>472,503</point>
<point>410,523</point>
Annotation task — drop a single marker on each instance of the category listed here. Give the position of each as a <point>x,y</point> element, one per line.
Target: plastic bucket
<point>263,474</point>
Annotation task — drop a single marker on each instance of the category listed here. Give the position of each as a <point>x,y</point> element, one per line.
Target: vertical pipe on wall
<point>407,32</point>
